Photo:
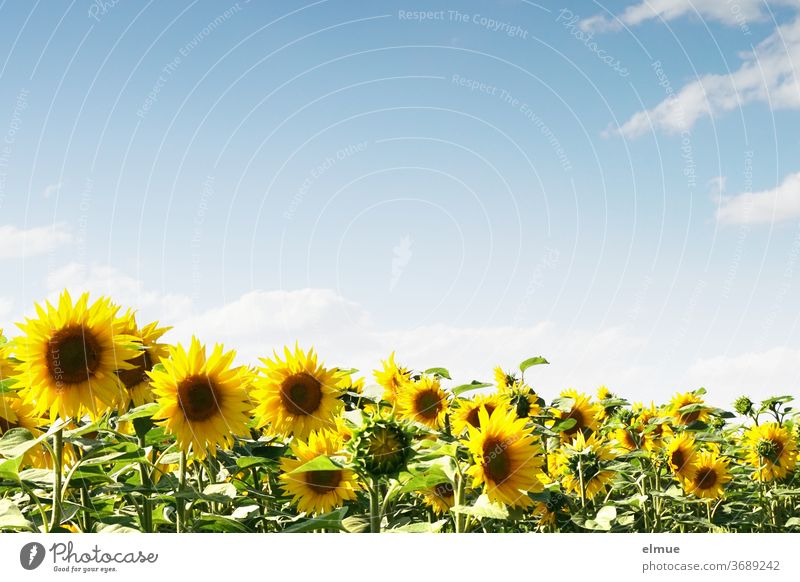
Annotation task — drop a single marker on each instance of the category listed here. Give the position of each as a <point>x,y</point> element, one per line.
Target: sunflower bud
<point>743,405</point>
<point>382,447</point>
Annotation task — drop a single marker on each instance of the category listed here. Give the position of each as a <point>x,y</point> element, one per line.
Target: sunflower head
<point>135,379</point>
<point>317,491</point>
<point>392,377</point>
<point>68,356</point>
<point>382,446</point>
<point>771,450</point>
<point>505,380</point>
<point>467,412</point>
<point>297,394</point>
<point>743,405</point>
<point>572,405</point>
<point>202,398</point>
<point>440,498</point>
<point>688,408</point>
<point>681,455</point>
<point>553,510</point>
<point>584,461</point>
<point>423,401</point>
<point>507,458</point>
<point>710,476</point>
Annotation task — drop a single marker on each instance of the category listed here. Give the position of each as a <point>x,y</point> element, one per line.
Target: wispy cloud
<point>726,12</point>
<point>17,242</point>
<point>779,204</point>
<point>767,74</point>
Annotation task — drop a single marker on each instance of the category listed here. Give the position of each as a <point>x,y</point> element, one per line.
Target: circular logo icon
<point>31,555</point>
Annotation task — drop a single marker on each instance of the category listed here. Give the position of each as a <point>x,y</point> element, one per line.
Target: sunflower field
<point>105,428</point>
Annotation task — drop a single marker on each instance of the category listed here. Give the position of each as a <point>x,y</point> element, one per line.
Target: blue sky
<point>616,188</point>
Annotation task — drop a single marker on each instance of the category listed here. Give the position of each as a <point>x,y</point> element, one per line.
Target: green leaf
<point>320,463</point>
<point>247,462</point>
<point>474,385</point>
<point>11,517</point>
<point>7,385</point>
<point>245,511</point>
<point>355,524</point>
<point>442,372</point>
<point>422,527</point>
<point>793,522</point>
<point>332,520</point>
<point>9,469</point>
<point>606,513</point>
<point>40,477</point>
<point>537,361</point>
<point>144,411</point>
<point>483,508</point>
<point>218,523</point>
<point>115,528</point>
<point>221,489</point>
<point>565,425</point>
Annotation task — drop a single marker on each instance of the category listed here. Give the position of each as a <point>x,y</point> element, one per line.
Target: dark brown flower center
<point>577,415</point>
<point>678,459</point>
<point>301,394</point>
<point>496,461</point>
<point>198,398</point>
<point>73,356</point>
<point>444,491</point>
<point>706,478</point>
<point>322,482</point>
<point>474,419</point>
<point>142,363</point>
<point>427,404</point>
<point>6,425</point>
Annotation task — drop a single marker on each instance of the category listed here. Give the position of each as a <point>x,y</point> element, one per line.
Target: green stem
<point>180,521</point>
<point>58,458</point>
<point>375,506</point>
<point>147,508</point>
<point>460,518</point>
<point>583,487</point>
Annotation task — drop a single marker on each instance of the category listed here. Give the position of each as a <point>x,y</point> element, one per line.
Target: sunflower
<point>697,412</point>
<point>135,380</point>
<point>16,413</point>
<point>772,450</point>
<point>423,401</point>
<point>505,380</point>
<point>440,498</point>
<point>297,395</point>
<point>628,439</point>
<point>549,512</point>
<point>202,400</point>
<point>581,409</point>
<point>317,492</point>
<point>710,476</point>
<point>6,365</point>
<point>508,458</point>
<point>392,378</point>
<point>467,412</point>
<point>603,393</point>
<point>68,356</point>
<point>382,446</point>
<point>655,428</point>
<point>584,461</point>
<point>682,457</point>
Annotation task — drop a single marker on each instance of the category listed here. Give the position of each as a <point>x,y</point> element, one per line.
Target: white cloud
<point>736,13</point>
<point>51,189</point>
<point>344,334</point>
<point>17,243</point>
<point>768,74</point>
<point>760,375</point>
<point>768,206</point>
<point>122,288</point>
